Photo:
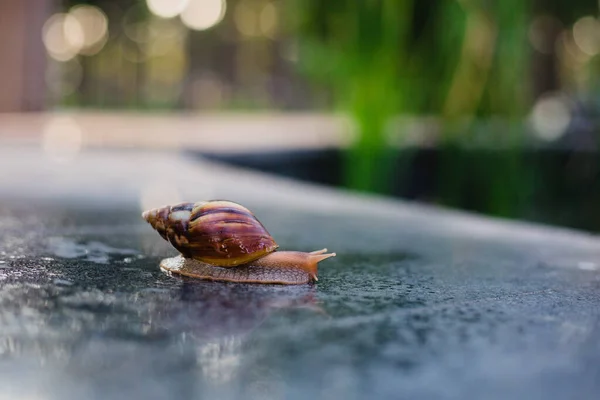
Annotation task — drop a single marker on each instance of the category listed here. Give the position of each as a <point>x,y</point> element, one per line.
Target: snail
<point>224,241</point>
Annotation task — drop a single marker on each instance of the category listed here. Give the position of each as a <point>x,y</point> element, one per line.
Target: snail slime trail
<point>224,241</point>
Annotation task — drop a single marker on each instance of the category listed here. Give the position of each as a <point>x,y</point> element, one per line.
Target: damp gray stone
<point>419,303</point>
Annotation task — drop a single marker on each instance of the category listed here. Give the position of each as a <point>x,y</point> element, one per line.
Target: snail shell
<point>223,241</point>
<point>219,233</point>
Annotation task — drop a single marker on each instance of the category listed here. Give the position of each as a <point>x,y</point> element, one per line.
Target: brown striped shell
<point>221,233</point>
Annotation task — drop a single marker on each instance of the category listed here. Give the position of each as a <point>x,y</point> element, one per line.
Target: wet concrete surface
<point>419,303</point>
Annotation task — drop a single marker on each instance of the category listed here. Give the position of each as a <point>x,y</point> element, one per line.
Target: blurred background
<point>487,106</point>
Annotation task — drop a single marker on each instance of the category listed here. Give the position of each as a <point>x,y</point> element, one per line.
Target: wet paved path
<point>419,303</point>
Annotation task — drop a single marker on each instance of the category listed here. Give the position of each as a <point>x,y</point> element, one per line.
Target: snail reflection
<point>224,241</point>
<point>216,322</point>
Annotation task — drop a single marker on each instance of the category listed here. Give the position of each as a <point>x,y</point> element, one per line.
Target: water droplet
<point>90,251</point>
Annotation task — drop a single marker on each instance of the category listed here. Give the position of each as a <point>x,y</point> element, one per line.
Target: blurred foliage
<point>456,59</point>
<point>462,60</point>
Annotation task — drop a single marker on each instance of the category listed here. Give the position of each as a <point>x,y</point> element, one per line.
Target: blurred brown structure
<point>22,54</point>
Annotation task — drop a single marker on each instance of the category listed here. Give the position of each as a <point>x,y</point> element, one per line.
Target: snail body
<point>224,241</point>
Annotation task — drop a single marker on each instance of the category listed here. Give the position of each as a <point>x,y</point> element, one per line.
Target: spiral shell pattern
<point>221,233</point>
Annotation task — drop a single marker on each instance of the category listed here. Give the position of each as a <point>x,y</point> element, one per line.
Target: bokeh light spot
<point>166,8</point>
<point>203,14</point>
<point>94,24</point>
<point>550,117</point>
<point>586,33</point>
<point>246,17</point>
<point>135,23</point>
<point>63,36</point>
<point>268,20</point>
